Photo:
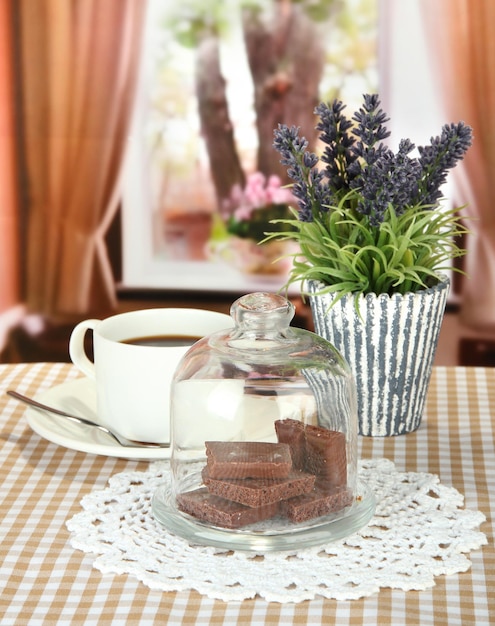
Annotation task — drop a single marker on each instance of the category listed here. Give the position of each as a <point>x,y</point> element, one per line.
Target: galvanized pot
<point>390,348</point>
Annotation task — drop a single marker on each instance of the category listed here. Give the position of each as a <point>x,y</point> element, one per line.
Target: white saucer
<point>79,397</point>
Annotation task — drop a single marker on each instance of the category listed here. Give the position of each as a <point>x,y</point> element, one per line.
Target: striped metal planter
<point>390,350</point>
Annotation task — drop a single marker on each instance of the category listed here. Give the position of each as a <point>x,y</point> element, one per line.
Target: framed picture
<point>216,79</point>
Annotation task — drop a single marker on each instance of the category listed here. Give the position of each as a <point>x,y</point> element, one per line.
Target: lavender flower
<point>367,221</point>
<point>442,154</point>
<point>356,159</point>
<point>311,192</point>
<point>371,121</point>
<point>386,179</point>
<point>338,154</point>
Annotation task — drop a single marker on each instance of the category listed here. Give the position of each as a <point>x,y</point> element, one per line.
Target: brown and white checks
<point>44,581</point>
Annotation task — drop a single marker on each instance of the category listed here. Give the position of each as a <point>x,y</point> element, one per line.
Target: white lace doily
<point>419,531</point>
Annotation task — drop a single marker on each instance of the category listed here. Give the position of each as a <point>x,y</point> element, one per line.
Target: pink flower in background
<point>243,213</point>
<point>248,212</point>
<point>258,193</point>
<point>277,193</point>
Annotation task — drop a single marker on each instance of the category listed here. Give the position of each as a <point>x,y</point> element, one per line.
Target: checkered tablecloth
<point>45,581</point>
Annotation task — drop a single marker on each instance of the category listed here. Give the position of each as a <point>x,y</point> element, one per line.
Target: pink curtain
<point>79,68</point>
<point>460,33</point>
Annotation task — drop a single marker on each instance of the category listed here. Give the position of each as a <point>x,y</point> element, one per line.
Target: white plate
<point>79,397</point>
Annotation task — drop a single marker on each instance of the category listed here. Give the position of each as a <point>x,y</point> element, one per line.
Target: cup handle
<point>77,352</point>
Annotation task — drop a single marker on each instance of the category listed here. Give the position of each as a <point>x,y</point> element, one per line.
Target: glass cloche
<point>263,437</point>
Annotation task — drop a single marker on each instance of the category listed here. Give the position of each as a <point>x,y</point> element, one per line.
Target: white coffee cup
<point>133,381</point>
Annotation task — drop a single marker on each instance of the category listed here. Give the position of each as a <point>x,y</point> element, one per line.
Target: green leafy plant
<point>370,220</point>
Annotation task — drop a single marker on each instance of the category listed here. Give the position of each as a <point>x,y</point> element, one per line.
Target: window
<point>171,197</point>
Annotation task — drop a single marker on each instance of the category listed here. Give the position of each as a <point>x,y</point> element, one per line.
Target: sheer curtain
<point>463,48</point>
<point>78,67</point>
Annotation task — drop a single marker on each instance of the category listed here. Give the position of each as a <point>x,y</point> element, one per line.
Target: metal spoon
<point>127,443</point>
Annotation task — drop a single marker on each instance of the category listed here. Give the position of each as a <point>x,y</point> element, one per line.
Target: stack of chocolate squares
<point>300,477</point>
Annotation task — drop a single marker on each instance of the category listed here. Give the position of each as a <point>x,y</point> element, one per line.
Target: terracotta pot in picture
<point>250,257</point>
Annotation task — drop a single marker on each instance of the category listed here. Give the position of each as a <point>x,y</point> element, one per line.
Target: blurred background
<point>127,128</point>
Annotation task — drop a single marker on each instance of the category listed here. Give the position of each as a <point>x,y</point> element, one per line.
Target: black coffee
<point>165,341</point>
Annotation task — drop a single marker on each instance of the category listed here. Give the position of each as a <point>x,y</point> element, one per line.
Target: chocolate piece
<point>316,504</point>
<point>292,432</point>
<point>220,512</point>
<point>315,450</point>
<point>247,459</point>
<point>256,492</point>
<point>326,455</point>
